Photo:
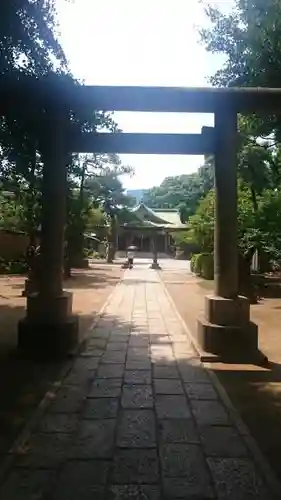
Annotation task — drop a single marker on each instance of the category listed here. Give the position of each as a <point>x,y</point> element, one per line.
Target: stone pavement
<point>136,417</point>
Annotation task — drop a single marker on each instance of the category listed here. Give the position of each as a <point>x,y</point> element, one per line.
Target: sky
<point>142,42</point>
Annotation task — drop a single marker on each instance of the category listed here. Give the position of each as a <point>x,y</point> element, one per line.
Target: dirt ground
<point>254,391</point>
<point>26,381</point>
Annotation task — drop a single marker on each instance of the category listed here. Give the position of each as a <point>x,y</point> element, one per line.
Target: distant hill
<point>136,193</point>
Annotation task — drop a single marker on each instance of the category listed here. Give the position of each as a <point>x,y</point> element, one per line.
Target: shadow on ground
<point>136,395</point>
<point>24,383</point>
<point>256,394</point>
<point>93,279</point>
<point>254,391</point>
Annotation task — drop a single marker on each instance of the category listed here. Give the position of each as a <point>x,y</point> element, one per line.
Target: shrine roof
<point>157,217</point>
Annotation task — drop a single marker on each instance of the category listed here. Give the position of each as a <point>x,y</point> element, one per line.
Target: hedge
<point>202,264</point>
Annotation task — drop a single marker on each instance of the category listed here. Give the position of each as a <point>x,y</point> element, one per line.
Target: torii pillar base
<point>155,265</point>
<point>226,334</point>
<point>49,329</point>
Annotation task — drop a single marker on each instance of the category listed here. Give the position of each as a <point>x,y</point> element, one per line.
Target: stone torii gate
<point>225,332</point>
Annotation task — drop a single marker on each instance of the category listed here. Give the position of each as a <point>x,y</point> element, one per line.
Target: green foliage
<point>258,227</point>
<point>249,39</point>
<point>202,264</point>
<point>201,224</point>
<point>207,266</point>
<point>14,266</point>
<point>182,192</point>
<point>27,36</point>
<point>12,214</point>
<point>194,267</point>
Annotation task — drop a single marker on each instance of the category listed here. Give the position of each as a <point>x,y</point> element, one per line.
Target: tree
<point>182,192</point>
<point>94,185</point>
<point>11,213</point>
<point>109,193</point>
<point>28,37</point>
<point>248,38</point>
<point>28,46</point>
<point>257,228</point>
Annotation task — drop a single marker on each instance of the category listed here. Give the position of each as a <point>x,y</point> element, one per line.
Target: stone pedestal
<point>155,265</point>
<point>49,329</point>
<point>225,333</point>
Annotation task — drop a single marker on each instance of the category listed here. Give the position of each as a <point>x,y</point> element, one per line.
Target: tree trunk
<point>112,240</point>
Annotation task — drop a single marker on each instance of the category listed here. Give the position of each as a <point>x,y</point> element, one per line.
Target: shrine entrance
<point>225,331</point>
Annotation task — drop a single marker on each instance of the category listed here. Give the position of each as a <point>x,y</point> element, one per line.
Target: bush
<point>195,263</point>
<point>207,266</point>
<point>202,264</point>
<point>96,255</point>
<point>13,267</point>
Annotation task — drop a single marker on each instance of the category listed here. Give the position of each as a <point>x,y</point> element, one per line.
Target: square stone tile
<point>99,333</point>
<point>138,353</point>
<point>184,489</point>
<point>116,346</point>
<point>237,479</point>
<point>92,352</point>
<point>134,492</point>
<point>222,442</point>
<point>137,396</point>
<point>183,347</point>
<point>141,364</point>
<point>177,337</point>
<point>138,377</point>
<point>136,429</point>
<point>27,484</point>
<point>58,422</point>
<point>184,357</point>
<point>114,357</point>
<point>186,461</point>
<point>135,466</point>
<point>178,431</point>
<point>105,388</point>
<point>162,351</point>
<point>136,341</point>
<point>168,386</point>
<point>95,439</point>
<point>43,450</point>
<point>100,408</point>
<point>82,480</point>
<point>200,391</point>
<point>68,400</point>
<point>96,343</point>
<point>193,372</point>
<point>160,340</point>
<point>110,371</point>
<point>121,338</point>
<point>209,413</point>
<point>83,363</point>
<point>172,407</point>
<point>165,372</point>
<point>79,378</point>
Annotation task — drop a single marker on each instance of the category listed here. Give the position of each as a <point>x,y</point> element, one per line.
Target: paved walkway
<point>137,417</point>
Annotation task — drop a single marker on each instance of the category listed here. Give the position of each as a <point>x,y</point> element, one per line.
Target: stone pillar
<point>226,332</point>
<point>226,243</point>
<point>49,328</point>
